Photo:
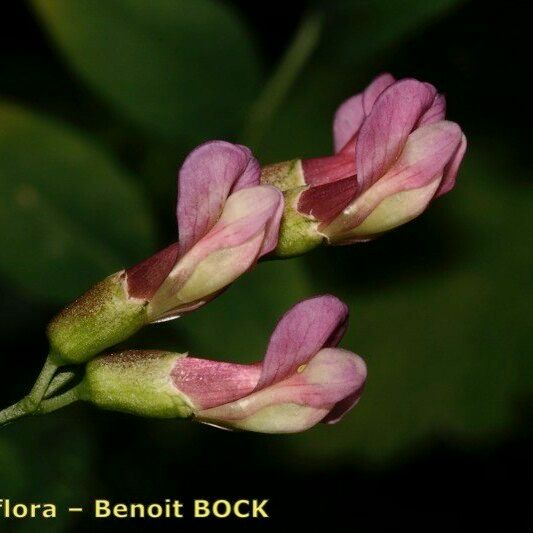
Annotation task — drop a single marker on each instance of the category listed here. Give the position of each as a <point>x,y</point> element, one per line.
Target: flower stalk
<point>30,403</point>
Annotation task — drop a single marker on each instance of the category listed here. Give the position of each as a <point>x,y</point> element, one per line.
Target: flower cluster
<point>394,154</point>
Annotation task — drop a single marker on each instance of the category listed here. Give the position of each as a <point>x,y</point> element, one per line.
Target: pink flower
<point>226,222</point>
<point>394,153</point>
<point>304,378</point>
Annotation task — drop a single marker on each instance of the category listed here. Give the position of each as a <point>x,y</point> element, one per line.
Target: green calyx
<point>100,318</point>
<point>284,176</point>
<point>298,233</point>
<point>135,382</point>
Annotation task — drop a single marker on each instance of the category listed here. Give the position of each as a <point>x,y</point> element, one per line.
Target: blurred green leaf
<point>359,30</point>
<point>342,64</point>
<point>297,131</point>
<point>448,353</point>
<point>68,214</point>
<point>176,67</point>
<point>303,44</point>
<point>48,460</point>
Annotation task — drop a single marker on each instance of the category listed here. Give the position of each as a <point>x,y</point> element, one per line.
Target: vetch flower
<point>226,222</point>
<point>394,154</point>
<point>304,378</point>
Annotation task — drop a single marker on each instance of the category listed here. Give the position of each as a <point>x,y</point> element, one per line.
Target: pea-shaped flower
<point>303,379</point>
<point>394,154</point>
<point>226,222</point>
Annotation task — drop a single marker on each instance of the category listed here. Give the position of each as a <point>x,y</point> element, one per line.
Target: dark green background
<point>99,103</point>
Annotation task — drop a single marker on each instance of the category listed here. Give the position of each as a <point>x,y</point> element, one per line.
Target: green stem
<point>57,402</point>
<point>19,410</point>
<point>295,58</point>
<point>59,381</point>
<point>14,412</point>
<point>31,401</point>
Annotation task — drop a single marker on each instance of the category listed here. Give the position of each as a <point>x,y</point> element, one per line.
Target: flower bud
<point>226,222</point>
<point>304,378</point>
<point>137,382</point>
<point>103,316</point>
<point>394,154</point>
<point>247,229</point>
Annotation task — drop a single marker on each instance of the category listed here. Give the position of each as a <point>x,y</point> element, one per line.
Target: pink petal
<point>300,334</point>
<point>146,277</point>
<point>299,401</point>
<point>331,376</point>
<point>246,213</point>
<point>252,172</point>
<point>426,153</point>
<point>247,229</point>
<point>271,234</point>
<point>211,383</point>
<point>450,172</point>
<point>385,131</point>
<point>347,121</point>
<point>351,113</point>
<point>435,113</point>
<point>209,174</point>
<point>325,202</point>
<point>321,170</point>
<point>345,404</point>
<point>374,90</point>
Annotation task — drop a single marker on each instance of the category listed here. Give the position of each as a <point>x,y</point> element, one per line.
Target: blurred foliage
<point>69,215</point>
<point>63,477</point>
<point>358,30</point>
<point>439,307</point>
<point>167,65</point>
